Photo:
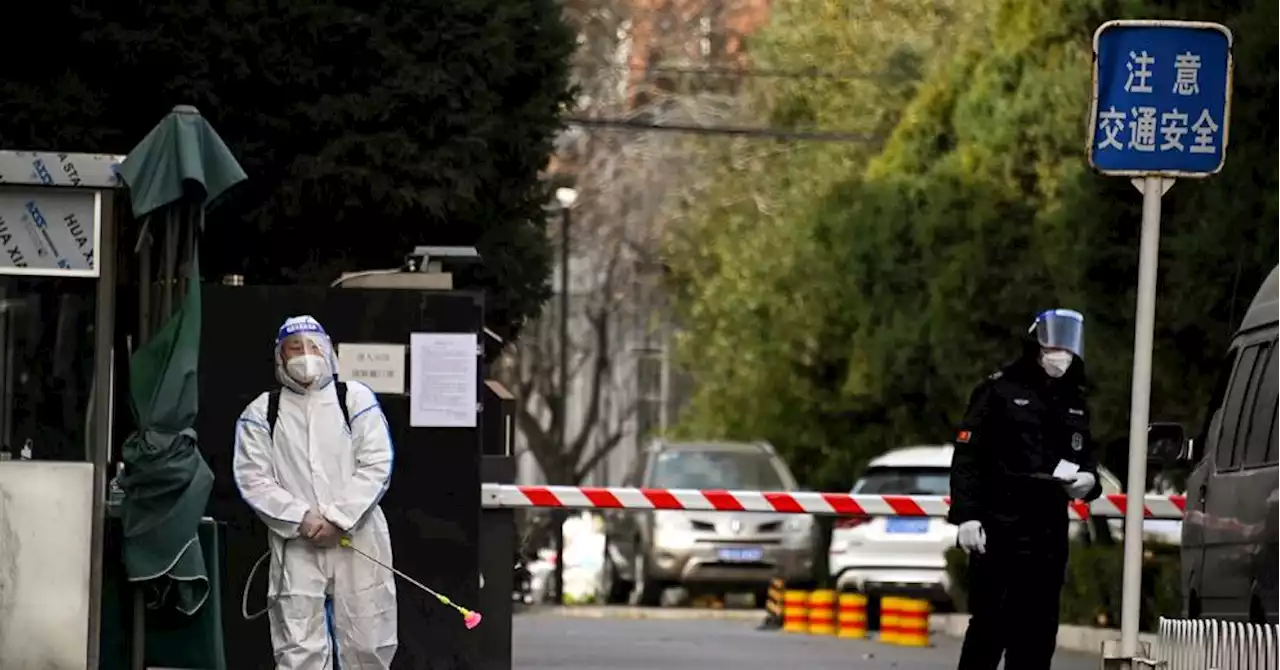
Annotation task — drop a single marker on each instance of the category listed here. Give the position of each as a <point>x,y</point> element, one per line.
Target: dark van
<point>1229,534</point>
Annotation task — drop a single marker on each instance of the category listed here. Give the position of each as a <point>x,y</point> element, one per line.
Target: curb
<point>1071,638</point>
<point>650,613</point>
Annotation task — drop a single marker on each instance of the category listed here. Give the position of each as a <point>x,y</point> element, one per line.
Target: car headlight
<point>798,528</point>
<point>669,520</point>
<point>800,523</point>
<point>672,529</point>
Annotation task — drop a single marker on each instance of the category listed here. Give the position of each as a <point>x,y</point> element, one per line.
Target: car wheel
<point>647,592</point>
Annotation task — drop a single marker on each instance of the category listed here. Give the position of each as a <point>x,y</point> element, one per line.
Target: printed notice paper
<point>443,368</point>
<point>378,366</point>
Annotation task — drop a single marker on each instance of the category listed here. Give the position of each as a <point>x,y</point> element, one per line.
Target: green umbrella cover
<point>166,482</point>
<point>182,148</point>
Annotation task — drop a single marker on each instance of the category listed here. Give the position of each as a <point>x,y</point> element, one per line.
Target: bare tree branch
<point>625,184</point>
<point>603,449</point>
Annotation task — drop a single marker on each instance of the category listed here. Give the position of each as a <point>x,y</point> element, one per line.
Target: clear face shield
<point>1061,329</point>
<point>304,353</point>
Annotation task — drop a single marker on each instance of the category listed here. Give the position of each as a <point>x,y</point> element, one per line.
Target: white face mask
<point>306,368</point>
<point>1055,363</point>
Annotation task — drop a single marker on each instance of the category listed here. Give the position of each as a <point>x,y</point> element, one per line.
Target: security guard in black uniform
<point>1022,453</point>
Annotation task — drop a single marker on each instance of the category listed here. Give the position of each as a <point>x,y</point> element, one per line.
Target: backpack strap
<point>273,411</point>
<point>341,388</point>
<point>273,406</point>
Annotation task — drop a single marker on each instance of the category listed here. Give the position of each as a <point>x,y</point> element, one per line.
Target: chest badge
<point>1021,402</point>
<point>1077,442</point>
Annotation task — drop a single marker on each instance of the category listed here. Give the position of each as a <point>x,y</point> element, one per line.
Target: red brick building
<point>709,34</point>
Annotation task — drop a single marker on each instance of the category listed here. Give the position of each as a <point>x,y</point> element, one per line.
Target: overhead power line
<point>733,131</point>
<point>757,73</point>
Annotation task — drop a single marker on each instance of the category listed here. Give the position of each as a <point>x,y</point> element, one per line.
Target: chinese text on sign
<point>1162,99</point>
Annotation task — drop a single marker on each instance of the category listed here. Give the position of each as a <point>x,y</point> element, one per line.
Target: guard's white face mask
<point>1055,363</point>
<point>306,368</point>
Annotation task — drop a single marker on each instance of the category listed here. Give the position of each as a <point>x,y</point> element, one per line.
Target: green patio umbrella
<point>173,175</point>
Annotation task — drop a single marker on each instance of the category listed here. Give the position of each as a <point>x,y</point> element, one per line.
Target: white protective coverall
<point>315,463</point>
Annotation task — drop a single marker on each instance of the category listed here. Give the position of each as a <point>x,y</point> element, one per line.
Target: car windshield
<point>716,469</point>
<point>905,482</point>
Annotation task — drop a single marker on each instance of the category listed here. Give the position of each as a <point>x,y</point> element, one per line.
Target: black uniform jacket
<point>1019,424</point>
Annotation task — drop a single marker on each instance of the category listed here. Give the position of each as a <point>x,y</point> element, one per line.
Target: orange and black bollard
<point>889,619</point>
<point>913,623</point>
<point>795,611</point>
<point>851,620</point>
<point>773,605</point>
<point>822,612</point>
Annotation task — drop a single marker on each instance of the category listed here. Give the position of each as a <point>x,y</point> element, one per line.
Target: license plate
<point>898,525</point>
<point>742,554</point>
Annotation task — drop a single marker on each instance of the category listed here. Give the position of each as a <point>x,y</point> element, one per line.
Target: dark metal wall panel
<point>433,505</point>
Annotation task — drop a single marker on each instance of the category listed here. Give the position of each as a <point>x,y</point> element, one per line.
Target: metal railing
<point>1208,644</point>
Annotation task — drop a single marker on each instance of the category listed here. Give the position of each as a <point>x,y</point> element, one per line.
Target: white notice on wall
<point>443,368</point>
<point>378,366</point>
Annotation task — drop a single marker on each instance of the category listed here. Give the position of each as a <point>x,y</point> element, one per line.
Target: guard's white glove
<point>1080,485</point>
<point>971,537</point>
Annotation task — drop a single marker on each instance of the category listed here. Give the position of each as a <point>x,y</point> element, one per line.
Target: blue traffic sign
<point>1162,98</point>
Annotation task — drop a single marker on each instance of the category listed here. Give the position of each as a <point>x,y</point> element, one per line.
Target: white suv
<point>897,553</point>
<point>907,555</point>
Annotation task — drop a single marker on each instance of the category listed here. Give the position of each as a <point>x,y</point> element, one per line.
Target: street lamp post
<point>566,197</point>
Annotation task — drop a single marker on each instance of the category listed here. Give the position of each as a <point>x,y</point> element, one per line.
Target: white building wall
<point>619,409</point>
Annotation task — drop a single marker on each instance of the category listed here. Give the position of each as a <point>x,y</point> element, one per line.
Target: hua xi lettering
<point>11,248</point>
<point>77,231</point>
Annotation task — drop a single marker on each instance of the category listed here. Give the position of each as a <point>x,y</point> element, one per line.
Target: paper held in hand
<point>1065,470</point>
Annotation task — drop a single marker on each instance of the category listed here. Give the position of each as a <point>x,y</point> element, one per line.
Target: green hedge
<point>1091,595</point>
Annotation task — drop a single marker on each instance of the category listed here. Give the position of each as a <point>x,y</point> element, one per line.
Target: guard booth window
<point>1240,396</point>
<point>46,366</point>
<point>1257,445</point>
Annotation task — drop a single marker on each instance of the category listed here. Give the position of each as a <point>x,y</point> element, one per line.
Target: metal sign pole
<point>1139,411</point>
<point>1160,111</point>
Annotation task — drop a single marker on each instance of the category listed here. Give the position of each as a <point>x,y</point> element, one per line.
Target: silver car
<point>704,552</point>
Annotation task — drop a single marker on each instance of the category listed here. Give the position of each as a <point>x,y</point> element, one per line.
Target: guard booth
<point>57,280</point>
<point>64,388</point>
<point>410,337</point>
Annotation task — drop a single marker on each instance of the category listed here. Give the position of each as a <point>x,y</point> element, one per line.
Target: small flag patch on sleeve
<point>963,437</point>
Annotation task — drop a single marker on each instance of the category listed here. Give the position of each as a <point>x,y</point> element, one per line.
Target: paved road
<point>549,641</point>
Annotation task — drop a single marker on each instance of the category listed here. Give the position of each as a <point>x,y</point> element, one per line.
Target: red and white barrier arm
<point>842,504</point>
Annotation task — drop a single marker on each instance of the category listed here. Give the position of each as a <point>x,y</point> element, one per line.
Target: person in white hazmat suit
<point>319,478</point>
